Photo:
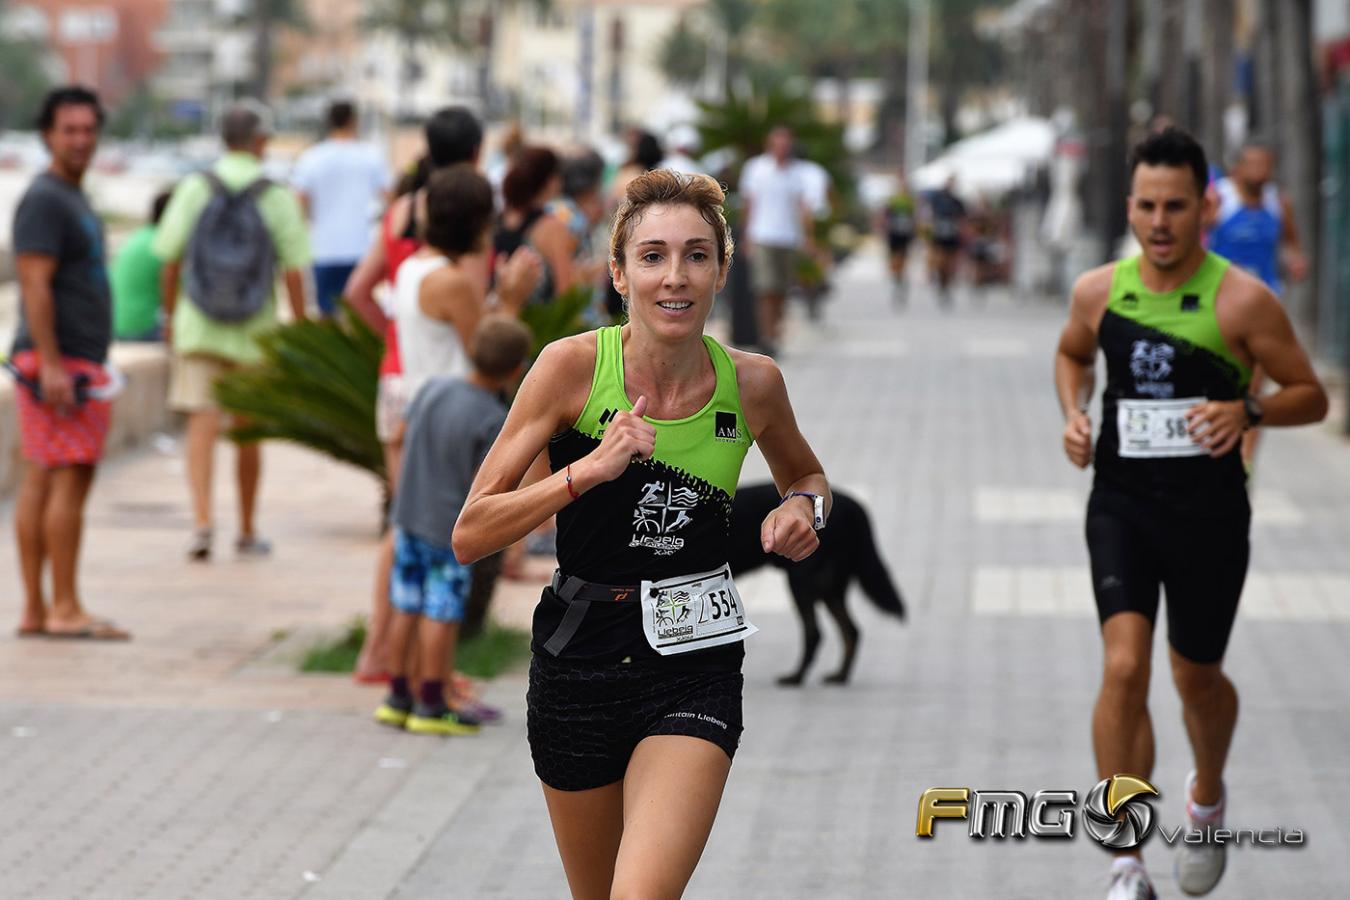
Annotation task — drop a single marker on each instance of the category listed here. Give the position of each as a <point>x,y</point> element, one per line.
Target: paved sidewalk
<point>193,762</point>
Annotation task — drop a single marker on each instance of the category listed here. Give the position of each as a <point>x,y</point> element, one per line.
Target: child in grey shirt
<point>452,423</point>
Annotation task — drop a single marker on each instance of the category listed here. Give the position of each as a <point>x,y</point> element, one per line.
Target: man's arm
<point>302,182</point>
<point>171,239</point>
<point>295,292</point>
<point>291,237</point>
<point>808,228</point>
<point>169,273</point>
<point>36,271</point>
<point>1270,339</point>
<point>1075,359</point>
<point>1263,330</point>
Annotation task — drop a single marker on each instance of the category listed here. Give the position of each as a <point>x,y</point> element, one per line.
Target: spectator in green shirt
<point>203,348</point>
<point>135,282</point>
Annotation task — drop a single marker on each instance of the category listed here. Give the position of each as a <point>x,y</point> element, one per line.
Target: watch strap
<point>1251,405</point>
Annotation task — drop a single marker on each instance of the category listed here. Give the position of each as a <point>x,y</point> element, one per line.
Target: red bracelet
<point>568,479</point>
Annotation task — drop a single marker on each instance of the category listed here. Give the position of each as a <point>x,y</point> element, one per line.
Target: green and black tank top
<point>1162,347</point>
<point>666,516</point>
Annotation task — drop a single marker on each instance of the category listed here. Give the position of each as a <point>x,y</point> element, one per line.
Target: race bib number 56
<point>1156,429</point>
<point>693,612</point>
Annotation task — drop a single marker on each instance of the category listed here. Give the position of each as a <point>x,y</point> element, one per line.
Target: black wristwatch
<point>1252,407</point>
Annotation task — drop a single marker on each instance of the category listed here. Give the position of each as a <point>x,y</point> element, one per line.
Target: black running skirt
<point>585,719</point>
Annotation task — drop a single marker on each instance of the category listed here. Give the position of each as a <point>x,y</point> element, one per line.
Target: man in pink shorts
<point>65,328</point>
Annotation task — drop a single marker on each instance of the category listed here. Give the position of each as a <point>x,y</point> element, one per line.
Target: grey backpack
<point>231,261</point>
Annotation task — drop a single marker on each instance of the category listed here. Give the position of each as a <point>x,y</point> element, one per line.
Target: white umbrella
<point>991,162</point>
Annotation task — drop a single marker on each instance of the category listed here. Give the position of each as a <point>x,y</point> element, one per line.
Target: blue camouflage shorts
<point>427,580</point>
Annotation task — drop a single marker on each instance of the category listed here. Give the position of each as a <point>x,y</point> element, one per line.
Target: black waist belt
<point>579,595</point>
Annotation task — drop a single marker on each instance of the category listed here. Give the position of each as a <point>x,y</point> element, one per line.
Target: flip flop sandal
<point>30,632</point>
<point>97,630</point>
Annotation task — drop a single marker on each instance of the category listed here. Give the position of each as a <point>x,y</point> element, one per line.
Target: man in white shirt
<point>342,182</point>
<point>775,202</point>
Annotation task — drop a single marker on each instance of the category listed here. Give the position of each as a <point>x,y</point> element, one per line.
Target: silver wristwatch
<point>817,502</point>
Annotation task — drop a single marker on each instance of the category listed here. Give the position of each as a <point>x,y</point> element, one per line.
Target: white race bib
<point>1156,429</point>
<point>693,612</point>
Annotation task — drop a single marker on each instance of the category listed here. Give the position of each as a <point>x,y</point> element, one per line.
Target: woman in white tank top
<point>440,294</point>
<point>428,346</point>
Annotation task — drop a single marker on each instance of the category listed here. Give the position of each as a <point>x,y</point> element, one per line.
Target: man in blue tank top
<point>1253,227</point>
<point>1254,223</point>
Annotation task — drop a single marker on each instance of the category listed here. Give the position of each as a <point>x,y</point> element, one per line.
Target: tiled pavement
<point>192,764</point>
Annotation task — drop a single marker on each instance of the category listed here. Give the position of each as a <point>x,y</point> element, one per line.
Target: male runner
<point>1253,226</point>
<point>1181,331</point>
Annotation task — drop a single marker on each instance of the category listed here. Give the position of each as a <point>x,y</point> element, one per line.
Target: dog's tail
<point>873,575</point>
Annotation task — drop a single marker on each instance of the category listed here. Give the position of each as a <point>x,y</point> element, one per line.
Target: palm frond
<point>315,387</point>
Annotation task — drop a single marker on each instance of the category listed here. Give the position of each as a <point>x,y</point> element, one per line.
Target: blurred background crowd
<point>1026,107</point>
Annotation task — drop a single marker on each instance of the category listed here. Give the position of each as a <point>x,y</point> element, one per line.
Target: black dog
<point>847,551</point>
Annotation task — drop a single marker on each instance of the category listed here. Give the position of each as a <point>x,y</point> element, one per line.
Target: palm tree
<point>267,16</point>
<point>732,20</point>
<point>743,121</point>
<point>820,37</point>
<point>683,54</point>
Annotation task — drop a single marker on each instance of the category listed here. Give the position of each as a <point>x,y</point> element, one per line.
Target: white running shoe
<point>1130,882</point>
<point>1200,866</point>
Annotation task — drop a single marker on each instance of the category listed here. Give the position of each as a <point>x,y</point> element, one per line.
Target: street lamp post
<point>917,89</point>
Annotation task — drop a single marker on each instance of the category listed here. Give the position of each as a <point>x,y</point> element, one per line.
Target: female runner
<point>634,706</point>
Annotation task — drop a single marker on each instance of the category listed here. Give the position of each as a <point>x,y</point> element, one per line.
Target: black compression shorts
<point>1137,546</point>
<point>585,719</point>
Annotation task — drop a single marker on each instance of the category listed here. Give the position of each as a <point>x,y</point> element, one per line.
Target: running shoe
<point>1200,866</point>
<point>394,711</point>
<point>199,549</point>
<point>253,546</point>
<point>1131,882</point>
<point>440,720</point>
